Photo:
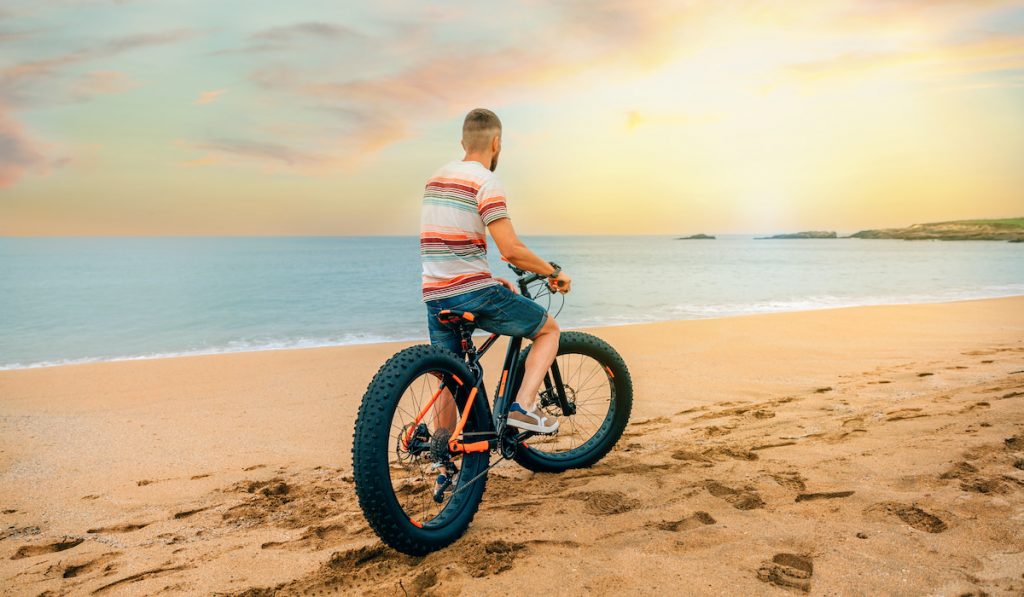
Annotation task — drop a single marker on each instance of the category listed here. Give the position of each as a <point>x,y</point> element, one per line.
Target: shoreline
<point>424,339</point>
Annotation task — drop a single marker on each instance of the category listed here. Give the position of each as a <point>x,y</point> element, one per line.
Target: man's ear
<point>463,143</point>
<point>496,144</point>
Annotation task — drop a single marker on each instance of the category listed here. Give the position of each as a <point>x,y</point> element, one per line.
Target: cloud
<point>260,150</point>
<point>45,81</point>
<point>17,82</point>
<point>285,37</point>
<point>208,97</point>
<point>311,29</point>
<point>441,80</point>
<point>18,153</point>
<point>206,160</point>
<point>996,53</point>
<point>103,83</point>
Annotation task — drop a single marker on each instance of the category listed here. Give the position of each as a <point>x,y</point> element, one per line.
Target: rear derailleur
<point>441,457</point>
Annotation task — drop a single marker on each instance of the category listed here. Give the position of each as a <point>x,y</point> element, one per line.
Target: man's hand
<point>507,284</point>
<point>563,283</point>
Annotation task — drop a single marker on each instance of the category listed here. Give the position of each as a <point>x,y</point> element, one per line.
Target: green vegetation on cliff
<point>1011,229</point>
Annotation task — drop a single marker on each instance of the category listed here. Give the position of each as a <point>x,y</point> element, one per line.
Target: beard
<point>494,161</point>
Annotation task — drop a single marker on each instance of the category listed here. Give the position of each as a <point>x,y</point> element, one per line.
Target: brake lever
<point>515,270</point>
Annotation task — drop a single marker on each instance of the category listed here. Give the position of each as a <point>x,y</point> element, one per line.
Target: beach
<point>854,451</point>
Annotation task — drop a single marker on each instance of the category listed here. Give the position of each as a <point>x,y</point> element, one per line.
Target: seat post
<point>466,336</point>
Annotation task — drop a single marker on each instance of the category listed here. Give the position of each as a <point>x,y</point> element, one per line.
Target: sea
<point>76,300</point>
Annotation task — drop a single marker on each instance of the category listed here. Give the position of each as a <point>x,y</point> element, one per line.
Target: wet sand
<point>872,450</point>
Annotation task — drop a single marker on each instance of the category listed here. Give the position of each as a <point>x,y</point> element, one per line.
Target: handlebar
<point>525,278</point>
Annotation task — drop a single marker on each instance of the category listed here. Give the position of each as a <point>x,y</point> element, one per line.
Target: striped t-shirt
<point>460,200</point>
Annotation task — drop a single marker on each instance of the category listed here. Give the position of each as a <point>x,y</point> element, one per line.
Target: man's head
<point>481,135</point>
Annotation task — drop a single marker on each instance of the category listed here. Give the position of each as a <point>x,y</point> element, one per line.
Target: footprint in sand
<point>788,570</point>
<point>741,499</point>
<point>495,557</point>
<point>103,563</point>
<point>604,503</point>
<point>823,495</point>
<point>970,481</point>
<point>29,551</point>
<point>139,576</point>
<point>654,421</point>
<point>983,485</point>
<point>697,519</point>
<point>188,513</point>
<point>708,455</point>
<point>904,414</point>
<point>715,431</point>
<point>790,480</point>
<point>925,374</point>
<point>691,456</point>
<point>13,531</point>
<point>125,527</point>
<point>912,515</point>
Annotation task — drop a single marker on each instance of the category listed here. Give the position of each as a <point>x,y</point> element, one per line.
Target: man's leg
<point>446,413</point>
<point>542,354</point>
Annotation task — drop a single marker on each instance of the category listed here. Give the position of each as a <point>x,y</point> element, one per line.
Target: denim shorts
<point>497,310</point>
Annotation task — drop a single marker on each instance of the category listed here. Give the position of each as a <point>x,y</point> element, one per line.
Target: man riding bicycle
<point>462,201</point>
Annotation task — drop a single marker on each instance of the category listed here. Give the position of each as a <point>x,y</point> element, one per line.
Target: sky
<point>253,117</point>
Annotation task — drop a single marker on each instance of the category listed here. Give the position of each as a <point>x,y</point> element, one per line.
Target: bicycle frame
<point>504,394</point>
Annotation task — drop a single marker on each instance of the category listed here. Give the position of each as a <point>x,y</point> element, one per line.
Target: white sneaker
<point>531,420</point>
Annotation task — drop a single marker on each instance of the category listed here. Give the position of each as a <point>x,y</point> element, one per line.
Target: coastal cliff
<point>1011,229</point>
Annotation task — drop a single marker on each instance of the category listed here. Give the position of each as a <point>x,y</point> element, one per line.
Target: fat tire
<point>370,453</point>
<point>622,405</point>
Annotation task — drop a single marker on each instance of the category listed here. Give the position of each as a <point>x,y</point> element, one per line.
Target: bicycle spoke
<point>583,385</point>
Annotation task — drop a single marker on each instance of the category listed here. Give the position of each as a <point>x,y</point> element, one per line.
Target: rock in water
<point>807,234</point>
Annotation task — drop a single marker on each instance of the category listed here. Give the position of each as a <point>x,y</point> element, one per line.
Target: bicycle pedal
<point>441,485</point>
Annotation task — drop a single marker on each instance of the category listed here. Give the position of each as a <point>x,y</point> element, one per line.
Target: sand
<point>862,451</point>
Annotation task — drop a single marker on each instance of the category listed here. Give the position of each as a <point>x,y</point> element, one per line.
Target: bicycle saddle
<point>455,318</point>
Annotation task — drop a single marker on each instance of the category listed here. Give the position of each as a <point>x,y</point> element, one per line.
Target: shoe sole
<point>533,428</point>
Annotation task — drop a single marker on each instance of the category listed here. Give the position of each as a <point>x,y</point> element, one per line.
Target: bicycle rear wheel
<point>599,389</point>
<point>411,407</point>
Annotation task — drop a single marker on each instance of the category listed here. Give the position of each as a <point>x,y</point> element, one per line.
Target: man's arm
<point>519,255</point>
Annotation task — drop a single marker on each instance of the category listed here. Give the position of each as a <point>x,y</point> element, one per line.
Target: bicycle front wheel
<point>411,408</point>
<point>599,391</point>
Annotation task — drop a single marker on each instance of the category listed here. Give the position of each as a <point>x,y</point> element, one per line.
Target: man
<point>461,203</point>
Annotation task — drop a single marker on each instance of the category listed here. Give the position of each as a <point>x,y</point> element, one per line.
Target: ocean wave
<point>688,311</point>
<point>229,348</point>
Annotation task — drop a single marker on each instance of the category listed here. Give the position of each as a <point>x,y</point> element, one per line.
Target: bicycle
<point>425,431</point>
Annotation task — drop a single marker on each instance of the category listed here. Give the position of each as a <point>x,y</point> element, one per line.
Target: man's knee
<point>550,327</point>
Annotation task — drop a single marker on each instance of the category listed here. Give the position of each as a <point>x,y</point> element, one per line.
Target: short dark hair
<point>480,126</point>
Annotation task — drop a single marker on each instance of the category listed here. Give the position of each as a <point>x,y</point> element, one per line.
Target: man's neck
<point>484,159</point>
